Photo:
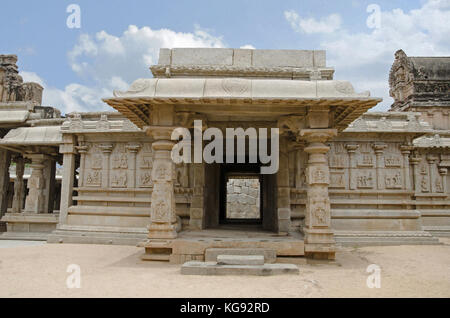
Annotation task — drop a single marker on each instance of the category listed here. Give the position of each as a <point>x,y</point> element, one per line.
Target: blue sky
<point>119,40</point>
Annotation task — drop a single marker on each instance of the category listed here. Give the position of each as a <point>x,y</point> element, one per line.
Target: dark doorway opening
<point>240,194</point>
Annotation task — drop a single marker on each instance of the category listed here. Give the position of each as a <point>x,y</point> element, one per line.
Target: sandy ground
<point>29,269</point>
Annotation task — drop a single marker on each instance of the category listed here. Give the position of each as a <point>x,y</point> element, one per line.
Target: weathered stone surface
<point>211,254</point>
<point>212,268</point>
<point>240,260</point>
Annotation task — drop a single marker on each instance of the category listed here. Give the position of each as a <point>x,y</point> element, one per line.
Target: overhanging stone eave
<point>347,108</point>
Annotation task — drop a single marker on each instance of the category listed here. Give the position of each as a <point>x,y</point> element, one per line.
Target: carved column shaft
<point>106,150</point>
<point>319,238</point>
<point>432,166</point>
<point>133,149</point>
<point>5,161</point>
<point>415,161</point>
<point>351,148</point>
<point>82,150</point>
<point>379,149</point>
<point>35,201</point>
<point>197,214</point>
<point>68,150</point>
<point>406,150</point>
<point>284,194</point>
<point>18,186</point>
<point>162,212</point>
<point>443,172</point>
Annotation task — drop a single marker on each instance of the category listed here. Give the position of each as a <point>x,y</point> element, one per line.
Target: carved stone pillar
<point>82,150</point>
<point>351,149</point>
<point>406,150</point>
<point>35,201</point>
<point>133,149</point>
<point>106,150</point>
<point>49,173</point>
<point>319,238</point>
<point>432,159</point>
<point>5,161</point>
<point>284,190</point>
<point>162,215</point>
<point>18,185</point>
<point>415,161</point>
<point>197,212</point>
<point>443,172</point>
<point>379,149</point>
<point>68,150</point>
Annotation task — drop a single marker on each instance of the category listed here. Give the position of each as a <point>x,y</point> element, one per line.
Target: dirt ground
<point>30,269</point>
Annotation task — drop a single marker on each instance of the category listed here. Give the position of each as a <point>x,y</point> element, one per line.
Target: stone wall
<point>243,198</point>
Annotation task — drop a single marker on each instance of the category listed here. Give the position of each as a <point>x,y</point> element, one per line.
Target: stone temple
<point>346,176</point>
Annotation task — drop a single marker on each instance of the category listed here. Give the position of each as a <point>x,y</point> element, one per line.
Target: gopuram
<point>344,175</point>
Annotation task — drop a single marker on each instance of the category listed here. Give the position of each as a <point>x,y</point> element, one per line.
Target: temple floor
<point>116,271</point>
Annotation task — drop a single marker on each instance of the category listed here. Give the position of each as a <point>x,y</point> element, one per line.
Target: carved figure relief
<point>338,161</point>
<point>393,181</point>
<point>424,184</point>
<point>318,175</point>
<point>146,162</point>
<point>392,161</point>
<point>120,161</point>
<point>320,211</point>
<point>337,180</point>
<point>365,180</point>
<point>438,185</point>
<point>119,180</point>
<point>161,206</point>
<point>163,172</point>
<point>146,179</point>
<point>366,161</point>
<point>94,179</point>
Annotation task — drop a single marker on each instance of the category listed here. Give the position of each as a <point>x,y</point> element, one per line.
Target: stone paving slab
<point>212,268</point>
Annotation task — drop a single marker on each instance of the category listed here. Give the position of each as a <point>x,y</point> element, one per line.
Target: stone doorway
<point>260,211</point>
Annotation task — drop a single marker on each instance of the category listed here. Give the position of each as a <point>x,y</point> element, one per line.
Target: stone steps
<point>240,260</point>
<point>269,255</point>
<point>213,268</point>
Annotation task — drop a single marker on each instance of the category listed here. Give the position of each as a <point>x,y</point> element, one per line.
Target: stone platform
<point>193,245</point>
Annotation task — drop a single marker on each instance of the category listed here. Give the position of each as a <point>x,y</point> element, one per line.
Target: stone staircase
<point>235,261</point>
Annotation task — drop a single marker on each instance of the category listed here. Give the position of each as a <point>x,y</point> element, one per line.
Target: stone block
<point>269,255</point>
<point>212,268</point>
<point>240,260</point>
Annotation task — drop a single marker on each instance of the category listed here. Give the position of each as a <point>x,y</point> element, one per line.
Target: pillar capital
<point>106,148</point>
<point>351,148</point>
<point>406,149</point>
<point>318,135</point>
<point>159,132</point>
<point>133,147</point>
<point>379,148</point>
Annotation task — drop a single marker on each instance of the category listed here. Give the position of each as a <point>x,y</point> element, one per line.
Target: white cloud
<point>365,57</point>
<point>248,47</point>
<point>109,62</point>
<point>129,56</point>
<point>327,24</point>
<point>74,97</point>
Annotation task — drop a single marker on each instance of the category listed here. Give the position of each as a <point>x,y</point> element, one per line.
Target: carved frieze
<point>365,179</point>
<point>337,179</point>
<point>119,179</point>
<point>393,180</point>
<point>94,178</point>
